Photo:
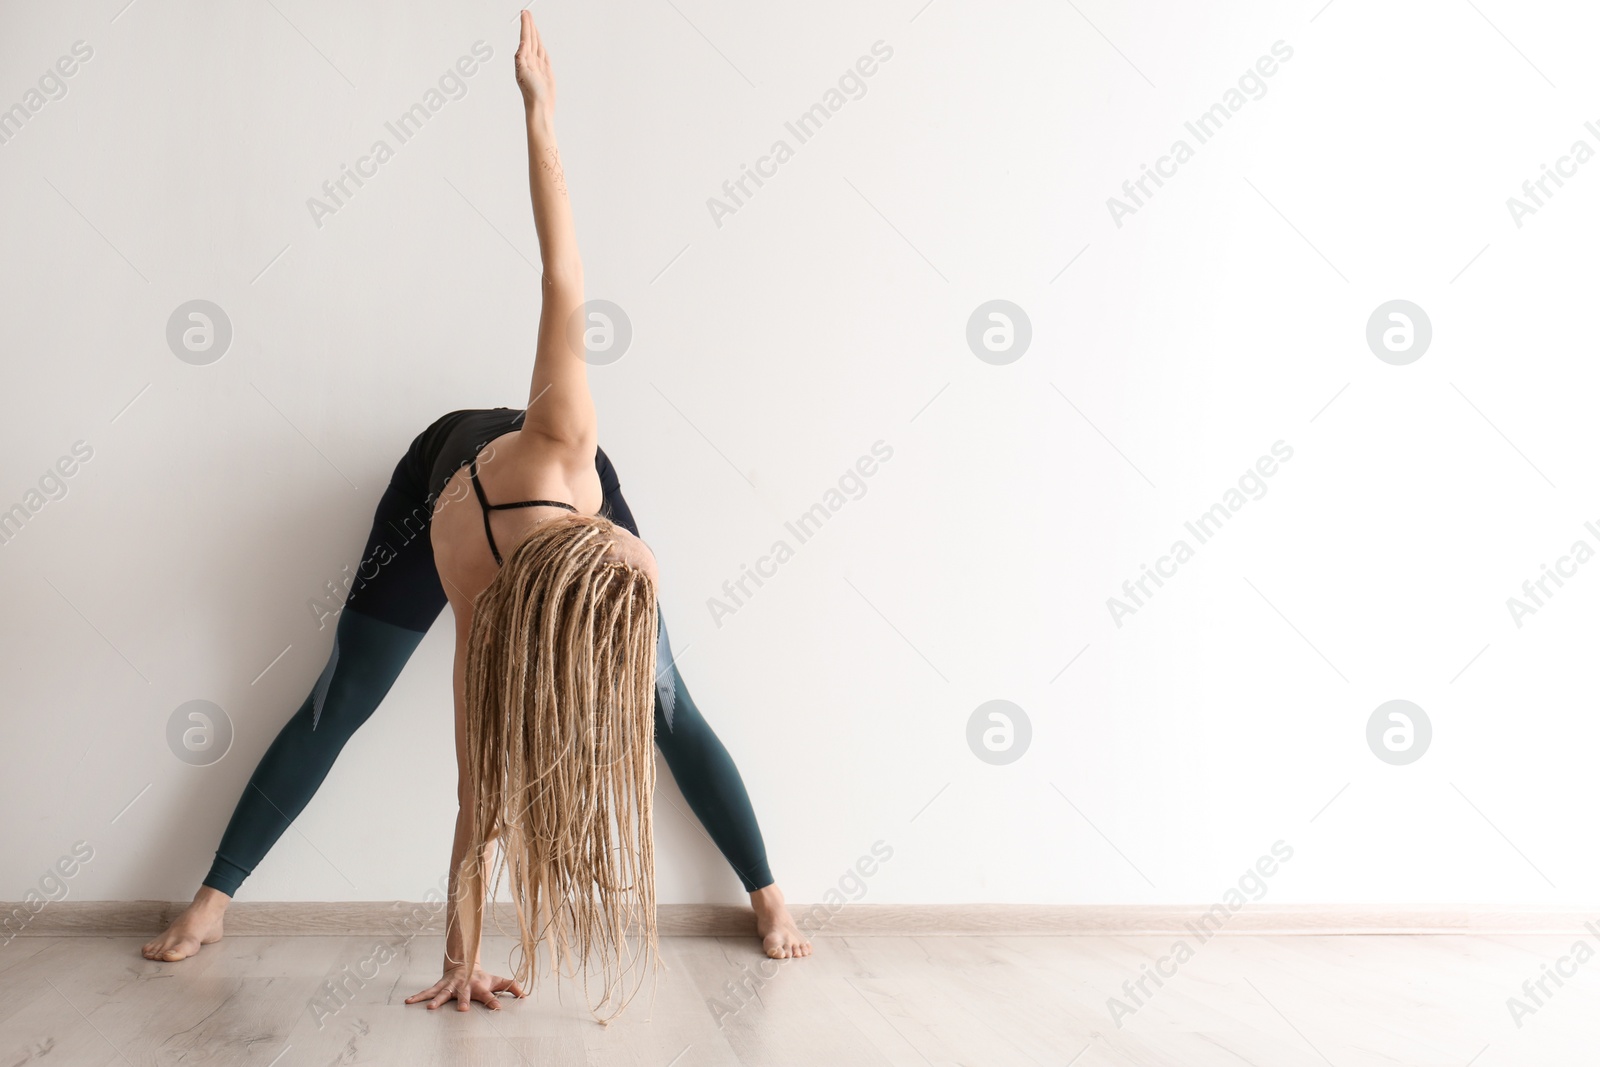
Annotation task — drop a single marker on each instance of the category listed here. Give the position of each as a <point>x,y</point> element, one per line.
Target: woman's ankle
<point>211,899</point>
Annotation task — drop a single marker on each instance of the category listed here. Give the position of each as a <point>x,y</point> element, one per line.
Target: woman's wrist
<point>541,123</point>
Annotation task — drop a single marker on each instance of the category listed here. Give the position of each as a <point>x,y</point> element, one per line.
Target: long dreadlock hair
<point>560,690</point>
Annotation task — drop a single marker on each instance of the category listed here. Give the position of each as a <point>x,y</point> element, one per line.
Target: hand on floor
<point>466,985</point>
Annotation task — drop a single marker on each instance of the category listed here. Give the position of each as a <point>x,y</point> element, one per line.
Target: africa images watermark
<point>1203,528</point>
<point>1253,882</point>
<point>52,486</point>
<point>452,86</point>
<point>852,485</point>
<point>851,886</point>
<point>384,552</point>
<point>1203,128</point>
<point>52,886</point>
<point>1566,966</point>
<point>338,990</point>
<point>1566,567</point>
<point>804,127</point>
<point>52,86</point>
<point>1566,167</point>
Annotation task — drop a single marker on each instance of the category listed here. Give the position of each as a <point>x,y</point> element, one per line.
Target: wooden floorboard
<point>94,918</point>
<point>875,1001</point>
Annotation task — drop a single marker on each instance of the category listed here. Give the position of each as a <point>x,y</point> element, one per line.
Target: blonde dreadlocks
<point>560,689</point>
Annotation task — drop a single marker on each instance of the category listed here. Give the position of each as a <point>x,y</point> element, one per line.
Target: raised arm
<point>559,405</point>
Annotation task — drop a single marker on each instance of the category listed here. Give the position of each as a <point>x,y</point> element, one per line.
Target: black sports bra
<point>477,487</point>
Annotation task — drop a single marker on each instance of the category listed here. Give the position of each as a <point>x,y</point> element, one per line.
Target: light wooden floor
<point>1274,1001</point>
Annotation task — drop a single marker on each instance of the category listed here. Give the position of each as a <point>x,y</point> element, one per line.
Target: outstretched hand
<point>534,77</point>
<point>468,984</point>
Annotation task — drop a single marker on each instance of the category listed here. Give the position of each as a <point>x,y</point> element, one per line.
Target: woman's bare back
<point>514,466</point>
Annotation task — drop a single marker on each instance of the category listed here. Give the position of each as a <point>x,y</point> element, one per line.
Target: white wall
<point>829,313</point>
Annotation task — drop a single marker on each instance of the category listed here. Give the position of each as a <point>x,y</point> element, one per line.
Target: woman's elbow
<point>565,273</point>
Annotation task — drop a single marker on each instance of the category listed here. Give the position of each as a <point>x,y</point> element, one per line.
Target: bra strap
<point>477,487</point>
<point>483,500</point>
<point>533,504</point>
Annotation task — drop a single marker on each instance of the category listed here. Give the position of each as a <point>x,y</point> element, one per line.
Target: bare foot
<point>200,924</point>
<point>780,937</point>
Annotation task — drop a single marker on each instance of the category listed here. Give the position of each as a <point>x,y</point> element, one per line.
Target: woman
<point>557,638</point>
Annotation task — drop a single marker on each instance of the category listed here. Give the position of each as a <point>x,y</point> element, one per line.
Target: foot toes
<point>174,953</point>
